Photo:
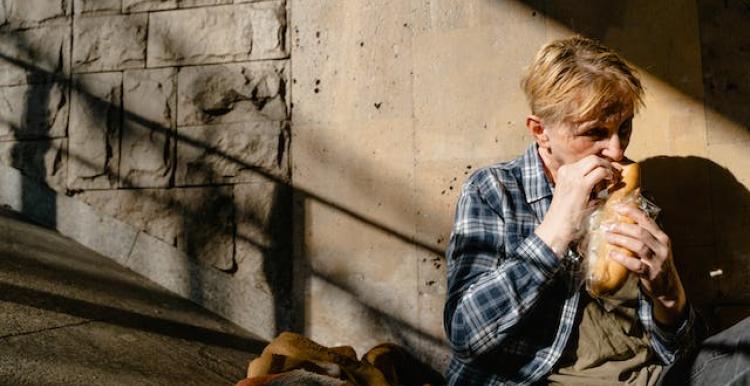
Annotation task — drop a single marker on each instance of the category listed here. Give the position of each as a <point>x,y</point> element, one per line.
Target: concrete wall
<point>211,126</point>
<point>172,116</point>
<point>396,102</point>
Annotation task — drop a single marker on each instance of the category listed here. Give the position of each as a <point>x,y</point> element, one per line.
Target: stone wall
<point>172,116</point>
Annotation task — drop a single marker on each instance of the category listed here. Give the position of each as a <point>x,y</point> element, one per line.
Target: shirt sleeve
<point>489,291</point>
<point>668,343</point>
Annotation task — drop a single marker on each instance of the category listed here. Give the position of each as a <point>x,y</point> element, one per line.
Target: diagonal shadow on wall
<point>278,272</point>
<point>272,268</point>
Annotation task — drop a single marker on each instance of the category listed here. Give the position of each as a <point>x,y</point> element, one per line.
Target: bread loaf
<point>606,276</point>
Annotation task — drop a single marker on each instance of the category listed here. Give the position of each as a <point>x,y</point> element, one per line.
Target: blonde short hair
<point>576,78</point>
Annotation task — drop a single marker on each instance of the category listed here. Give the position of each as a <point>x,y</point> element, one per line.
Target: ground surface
<point>71,317</point>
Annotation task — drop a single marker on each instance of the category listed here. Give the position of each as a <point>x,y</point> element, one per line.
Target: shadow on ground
<point>75,317</point>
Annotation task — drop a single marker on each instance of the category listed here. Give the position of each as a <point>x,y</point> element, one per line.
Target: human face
<point>606,136</point>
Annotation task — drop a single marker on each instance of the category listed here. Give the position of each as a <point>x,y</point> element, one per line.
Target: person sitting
<point>516,312</point>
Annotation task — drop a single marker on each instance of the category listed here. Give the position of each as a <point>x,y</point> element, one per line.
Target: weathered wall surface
<point>188,119</point>
<point>396,102</point>
<point>172,116</point>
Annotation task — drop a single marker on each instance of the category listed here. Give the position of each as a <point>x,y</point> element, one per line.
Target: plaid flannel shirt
<point>512,304</point>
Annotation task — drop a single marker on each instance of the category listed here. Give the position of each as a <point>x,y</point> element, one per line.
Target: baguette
<point>606,276</point>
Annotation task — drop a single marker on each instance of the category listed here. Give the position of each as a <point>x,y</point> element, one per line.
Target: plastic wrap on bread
<point>603,275</point>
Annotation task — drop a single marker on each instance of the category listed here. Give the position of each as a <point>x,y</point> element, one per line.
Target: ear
<point>537,130</point>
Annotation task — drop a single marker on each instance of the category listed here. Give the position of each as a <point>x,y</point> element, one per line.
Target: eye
<point>596,133</point>
<point>625,129</point>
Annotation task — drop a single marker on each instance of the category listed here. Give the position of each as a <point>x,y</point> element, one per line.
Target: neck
<point>550,165</point>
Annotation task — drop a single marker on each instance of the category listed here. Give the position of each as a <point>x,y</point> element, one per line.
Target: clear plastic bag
<point>597,221</point>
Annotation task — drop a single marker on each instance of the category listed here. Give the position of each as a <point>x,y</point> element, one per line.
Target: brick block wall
<point>172,116</point>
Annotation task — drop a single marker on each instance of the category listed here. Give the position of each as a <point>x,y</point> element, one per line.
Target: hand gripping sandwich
<point>604,275</point>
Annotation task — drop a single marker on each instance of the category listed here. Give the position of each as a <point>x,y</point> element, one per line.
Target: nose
<point>614,149</point>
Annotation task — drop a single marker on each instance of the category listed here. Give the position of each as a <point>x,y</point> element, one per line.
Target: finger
<point>596,176</point>
<point>592,162</point>
<point>644,221</point>
<point>634,245</point>
<point>632,264</point>
<point>634,231</point>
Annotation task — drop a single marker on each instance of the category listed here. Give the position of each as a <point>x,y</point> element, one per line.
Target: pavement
<point>69,316</point>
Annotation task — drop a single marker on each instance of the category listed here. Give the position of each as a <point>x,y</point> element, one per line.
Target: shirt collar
<point>535,183</point>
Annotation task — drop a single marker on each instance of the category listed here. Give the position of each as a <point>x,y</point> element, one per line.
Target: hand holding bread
<point>634,243</point>
<point>573,185</point>
<point>605,275</point>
